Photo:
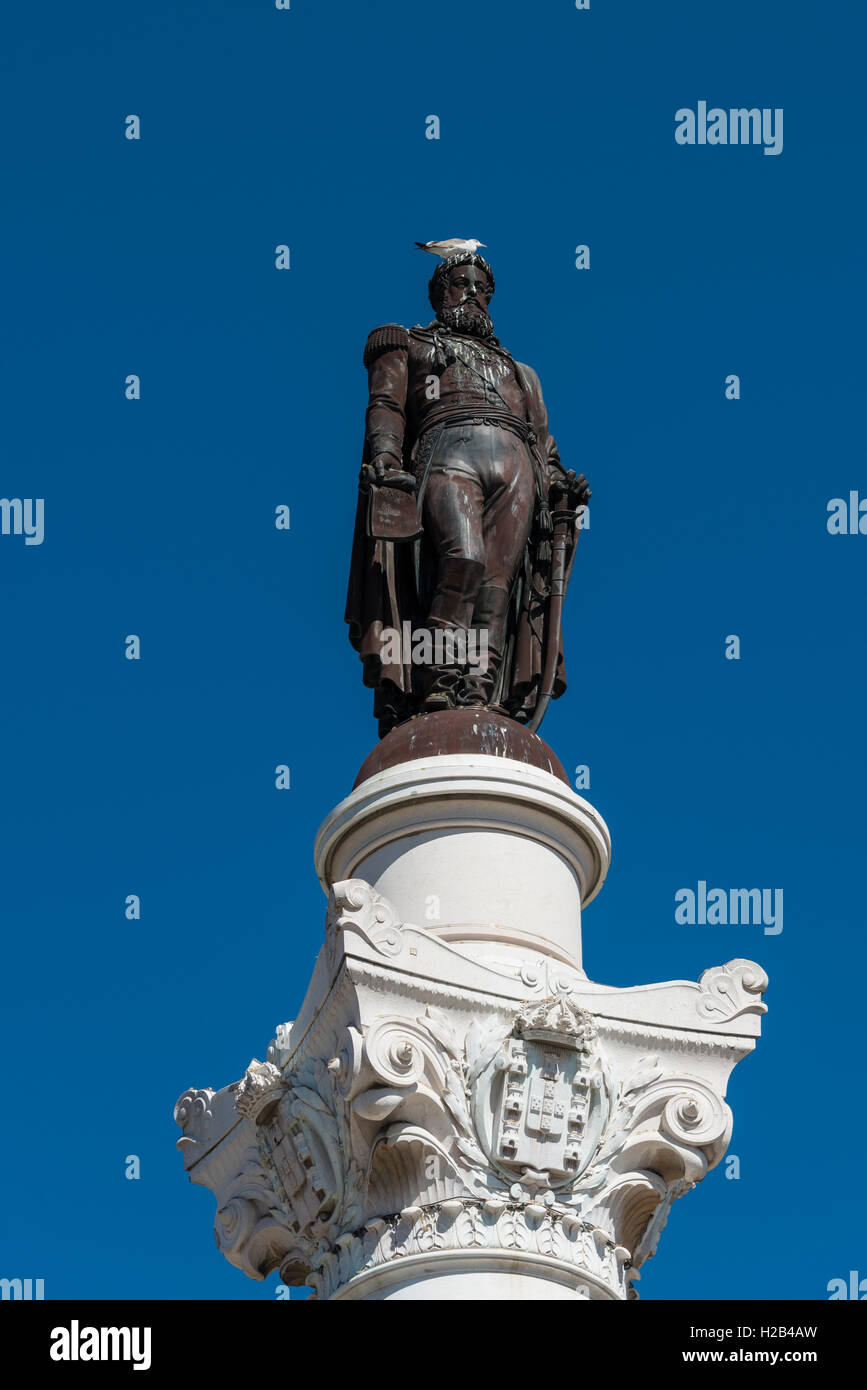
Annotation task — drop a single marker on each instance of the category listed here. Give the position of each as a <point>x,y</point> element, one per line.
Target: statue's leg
<point>507,516</point>
<point>452,520</point>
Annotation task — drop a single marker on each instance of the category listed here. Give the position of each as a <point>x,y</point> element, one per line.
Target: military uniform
<point>468,422</point>
<point>462,403</point>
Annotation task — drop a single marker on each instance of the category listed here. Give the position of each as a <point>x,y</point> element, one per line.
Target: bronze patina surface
<point>467,521</point>
<point>476,730</point>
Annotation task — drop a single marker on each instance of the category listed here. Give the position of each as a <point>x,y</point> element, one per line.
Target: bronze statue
<point>467,521</point>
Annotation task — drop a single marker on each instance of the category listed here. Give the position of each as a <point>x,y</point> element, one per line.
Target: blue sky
<point>156,777</point>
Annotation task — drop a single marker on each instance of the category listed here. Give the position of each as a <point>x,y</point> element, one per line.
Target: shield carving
<point>550,1076</point>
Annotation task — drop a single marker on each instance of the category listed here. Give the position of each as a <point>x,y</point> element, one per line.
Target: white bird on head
<point>455,246</point>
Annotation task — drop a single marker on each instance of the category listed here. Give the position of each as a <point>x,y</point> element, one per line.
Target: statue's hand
<point>570,490</point>
<point>385,470</point>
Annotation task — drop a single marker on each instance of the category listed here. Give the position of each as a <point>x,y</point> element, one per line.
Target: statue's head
<point>460,291</point>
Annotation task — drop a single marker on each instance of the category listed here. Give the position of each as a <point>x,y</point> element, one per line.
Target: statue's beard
<point>467,318</point>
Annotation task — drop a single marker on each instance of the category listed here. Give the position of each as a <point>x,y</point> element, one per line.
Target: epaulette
<point>385,339</point>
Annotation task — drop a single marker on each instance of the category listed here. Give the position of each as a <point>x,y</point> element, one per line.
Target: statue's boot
<point>441,680</point>
<point>488,633</point>
<point>450,613</point>
<point>477,687</point>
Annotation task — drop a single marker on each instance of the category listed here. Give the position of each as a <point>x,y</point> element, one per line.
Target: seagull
<point>454,247</point>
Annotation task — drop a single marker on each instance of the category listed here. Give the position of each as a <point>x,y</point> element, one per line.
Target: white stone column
<point>484,852</point>
<point>457,1112</point>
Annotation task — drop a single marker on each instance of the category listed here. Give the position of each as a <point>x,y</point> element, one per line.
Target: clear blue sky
<point>156,777</point>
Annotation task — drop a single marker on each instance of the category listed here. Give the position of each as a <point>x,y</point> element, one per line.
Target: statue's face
<point>467,284</point>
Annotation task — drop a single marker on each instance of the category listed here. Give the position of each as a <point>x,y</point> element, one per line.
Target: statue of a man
<point>458,432</point>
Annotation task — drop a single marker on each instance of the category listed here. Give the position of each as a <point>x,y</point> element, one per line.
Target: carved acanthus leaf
<point>353,902</point>
<point>732,989</point>
<point>193,1114</point>
<point>481,1225</point>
